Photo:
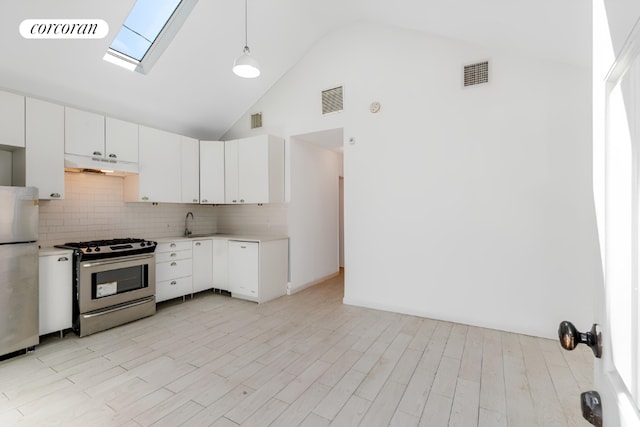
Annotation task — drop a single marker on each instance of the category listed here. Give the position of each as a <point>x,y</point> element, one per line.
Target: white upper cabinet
<point>121,140</point>
<point>43,163</point>
<point>84,133</point>
<point>11,119</point>
<point>93,141</point>
<point>190,160</point>
<point>212,172</point>
<point>254,170</point>
<point>159,177</point>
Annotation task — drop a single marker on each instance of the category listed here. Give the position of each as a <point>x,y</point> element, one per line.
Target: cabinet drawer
<point>173,288</point>
<point>178,245</point>
<point>174,269</point>
<point>173,256</point>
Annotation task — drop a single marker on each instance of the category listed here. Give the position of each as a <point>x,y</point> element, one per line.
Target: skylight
<point>147,31</point>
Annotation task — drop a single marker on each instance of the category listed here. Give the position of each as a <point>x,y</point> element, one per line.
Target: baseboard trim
<point>291,291</point>
<point>540,333</point>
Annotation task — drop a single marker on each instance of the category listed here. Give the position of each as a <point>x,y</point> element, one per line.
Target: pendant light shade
<point>245,65</point>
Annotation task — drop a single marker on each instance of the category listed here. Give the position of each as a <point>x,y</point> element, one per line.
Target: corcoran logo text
<point>64,28</point>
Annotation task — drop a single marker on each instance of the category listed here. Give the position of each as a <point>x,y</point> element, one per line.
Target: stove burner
<point>111,242</point>
<point>95,249</point>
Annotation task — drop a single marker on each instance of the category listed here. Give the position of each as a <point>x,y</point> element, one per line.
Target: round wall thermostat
<point>374,107</point>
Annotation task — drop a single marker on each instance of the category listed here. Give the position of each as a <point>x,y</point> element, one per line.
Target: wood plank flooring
<point>303,360</point>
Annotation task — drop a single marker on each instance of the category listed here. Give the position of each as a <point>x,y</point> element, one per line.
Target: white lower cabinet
<point>258,271</point>
<point>202,264</point>
<point>55,293</point>
<point>220,267</point>
<point>255,270</point>
<point>244,272</point>
<point>174,270</point>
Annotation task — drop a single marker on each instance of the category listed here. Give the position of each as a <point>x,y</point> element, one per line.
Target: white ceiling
<point>191,89</point>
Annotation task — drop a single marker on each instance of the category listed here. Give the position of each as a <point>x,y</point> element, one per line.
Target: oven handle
<point>116,260</point>
<point>118,308</point>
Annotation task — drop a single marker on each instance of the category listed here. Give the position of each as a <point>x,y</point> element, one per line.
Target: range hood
<point>75,163</point>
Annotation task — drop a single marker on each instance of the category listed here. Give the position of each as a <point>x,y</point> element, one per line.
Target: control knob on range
<point>142,245</point>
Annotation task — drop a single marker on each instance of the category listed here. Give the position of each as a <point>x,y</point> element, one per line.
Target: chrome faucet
<point>187,231</point>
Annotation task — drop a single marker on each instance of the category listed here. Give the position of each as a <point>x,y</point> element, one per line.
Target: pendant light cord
<point>246,43</point>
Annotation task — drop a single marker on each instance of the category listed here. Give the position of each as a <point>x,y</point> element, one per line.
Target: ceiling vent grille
<point>332,100</point>
<point>475,74</point>
<point>256,120</point>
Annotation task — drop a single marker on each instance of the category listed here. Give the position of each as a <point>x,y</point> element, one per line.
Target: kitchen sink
<point>199,236</point>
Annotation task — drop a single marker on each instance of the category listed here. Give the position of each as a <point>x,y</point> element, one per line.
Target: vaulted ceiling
<point>191,89</point>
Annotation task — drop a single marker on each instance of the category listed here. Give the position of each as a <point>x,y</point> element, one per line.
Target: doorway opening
<point>316,218</point>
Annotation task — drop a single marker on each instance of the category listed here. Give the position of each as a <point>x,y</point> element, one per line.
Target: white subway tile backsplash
<point>270,219</point>
<point>93,209</point>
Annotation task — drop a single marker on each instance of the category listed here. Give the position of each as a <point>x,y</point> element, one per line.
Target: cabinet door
<point>121,140</point>
<point>220,261</point>
<point>202,265</point>
<point>212,179</point>
<point>244,269</point>
<point>11,119</point>
<point>189,170</point>
<point>44,152</point>
<point>158,179</point>
<point>253,170</point>
<point>84,133</point>
<point>231,171</point>
<point>55,292</point>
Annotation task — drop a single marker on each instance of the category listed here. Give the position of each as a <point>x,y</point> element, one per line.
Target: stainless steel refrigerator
<point>18,269</point>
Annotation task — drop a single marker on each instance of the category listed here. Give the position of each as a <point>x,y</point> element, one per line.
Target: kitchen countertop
<point>47,251</point>
<point>242,237</point>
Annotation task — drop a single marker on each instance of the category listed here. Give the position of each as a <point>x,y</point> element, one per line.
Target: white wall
<point>313,213</point>
<point>471,205</point>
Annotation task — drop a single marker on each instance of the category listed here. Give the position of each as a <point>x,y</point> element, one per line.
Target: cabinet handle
<point>173,254</point>
<point>197,243</point>
<point>97,153</point>
<point>173,245</point>
<point>234,201</point>
<point>173,283</point>
<point>196,200</point>
<point>173,264</point>
<point>243,247</point>
<point>55,195</point>
<point>113,156</point>
<point>241,200</point>
<point>63,258</point>
<point>145,198</point>
<point>204,201</point>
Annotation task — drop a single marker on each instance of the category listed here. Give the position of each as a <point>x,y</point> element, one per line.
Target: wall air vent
<point>256,120</point>
<point>332,100</point>
<point>475,74</point>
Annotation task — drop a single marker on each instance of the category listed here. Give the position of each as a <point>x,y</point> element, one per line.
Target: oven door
<point>115,281</point>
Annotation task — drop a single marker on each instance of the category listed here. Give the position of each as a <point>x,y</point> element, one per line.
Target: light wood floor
<point>304,360</point>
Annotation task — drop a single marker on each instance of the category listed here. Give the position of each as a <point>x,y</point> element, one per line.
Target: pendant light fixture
<point>245,65</point>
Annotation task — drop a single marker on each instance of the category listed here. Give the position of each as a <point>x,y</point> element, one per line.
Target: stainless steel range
<point>114,283</point>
